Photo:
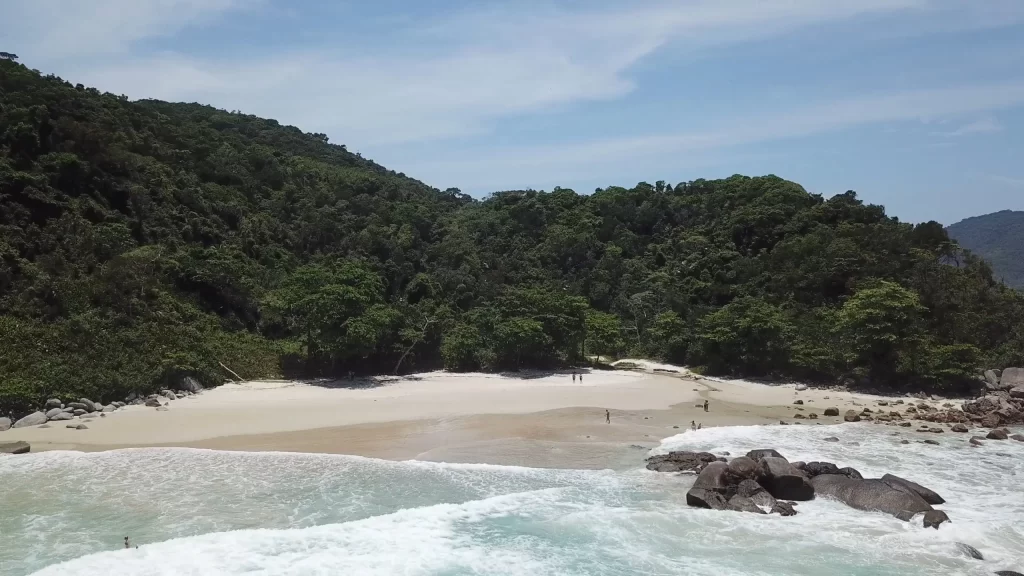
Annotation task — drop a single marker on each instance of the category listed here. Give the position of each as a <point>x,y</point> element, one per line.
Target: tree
<point>604,334</point>
<point>749,336</point>
<point>880,328</point>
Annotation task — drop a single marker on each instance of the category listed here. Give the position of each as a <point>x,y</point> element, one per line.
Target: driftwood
<point>239,378</point>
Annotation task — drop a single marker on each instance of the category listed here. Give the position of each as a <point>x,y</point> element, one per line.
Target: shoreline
<point>542,420</point>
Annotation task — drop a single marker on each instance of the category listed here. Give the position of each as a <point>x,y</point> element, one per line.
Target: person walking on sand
<point>705,405</point>
<point>693,424</point>
<point>573,375</point>
<point>607,417</point>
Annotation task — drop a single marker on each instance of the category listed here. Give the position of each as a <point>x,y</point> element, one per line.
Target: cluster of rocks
<point>55,410</point>
<point>765,482</point>
<point>1001,402</point>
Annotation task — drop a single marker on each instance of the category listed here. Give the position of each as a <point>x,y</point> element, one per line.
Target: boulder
<point>977,441</point>
<point>959,428</point>
<point>72,426</point>
<point>801,387</point>
<point>851,416</point>
<point>190,384</point>
<point>1011,378</point>
<point>990,420</point>
<point>934,518</point>
<point>62,416</point>
<point>54,403</point>
<point>702,498</point>
<point>109,408</point>
<point>757,455</point>
<point>76,406</point>
<point>1017,437</point>
<point>756,493</point>
<point>1017,392</point>
<point>798,402</point>
<point>992,435</point>
<point>812,416</point>
<point>930,441</point>
<point>53,412</point>
<point>713,488</point>
<point>89,404</point>
<point>81,427</point>
<point>927,495</point>
<point>969,551</point>
<point>1008,573</point>
<point>153,403</point>
<point>783,481</point>
<point>168,394</point>
<point>78,411</point>
<point>831,439</point>
<point>744,504</point>
<point>813,469</point>
<point>33,419</point>
<point>743,468</point>
<point>680,461</point>
<point>872,494</point>
<point>14,448</point>
<point>851,473</point>
<point>784,509</point>
<point>831,412</point>
<point>5,424</point>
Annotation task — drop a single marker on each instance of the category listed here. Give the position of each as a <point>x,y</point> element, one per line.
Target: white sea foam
<point>202,512</point>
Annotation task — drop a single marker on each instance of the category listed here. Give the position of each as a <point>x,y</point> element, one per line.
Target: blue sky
<point>915,104</point>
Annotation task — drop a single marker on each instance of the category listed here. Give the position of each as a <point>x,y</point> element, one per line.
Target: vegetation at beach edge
<point>144,241</point>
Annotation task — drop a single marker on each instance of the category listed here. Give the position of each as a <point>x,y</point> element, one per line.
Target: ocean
<point>198,512</point>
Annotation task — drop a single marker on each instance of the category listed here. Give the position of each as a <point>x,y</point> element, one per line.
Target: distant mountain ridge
<point>998,238</point>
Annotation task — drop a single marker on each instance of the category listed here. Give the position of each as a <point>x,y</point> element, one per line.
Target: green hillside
<point>144,241</point>
<point>998,238</point>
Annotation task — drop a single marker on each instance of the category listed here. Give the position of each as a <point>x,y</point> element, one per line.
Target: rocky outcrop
<point>1011,378</point>
<point>33,419</point>
<point>783,480</point>
<point>678,461</point>
<point>927,495</point>
<point>54,403</point>
<point>744,504</point>
<point>190,384</point>
<point>713,487</point>
<point>756,493</point>
<point>14,448</point>
<point>871,494</point>
<point>935,518</point>
<point>90,406</point>
<point>743,468</point>
<point>758,455</point>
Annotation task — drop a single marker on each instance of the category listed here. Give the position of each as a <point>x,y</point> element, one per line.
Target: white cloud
<point>51,30</point>
<point>451,77</point>
<point>986,125</point>
<point>541,166</point>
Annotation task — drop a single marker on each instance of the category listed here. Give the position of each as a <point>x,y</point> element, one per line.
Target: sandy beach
<point>532,419</point>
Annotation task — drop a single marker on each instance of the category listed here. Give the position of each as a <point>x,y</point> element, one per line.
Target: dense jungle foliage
<point>144,241</point>
<point>999,239</point>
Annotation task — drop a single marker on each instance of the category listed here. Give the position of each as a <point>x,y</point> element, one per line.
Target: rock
<point>153,403</point>
<point>802,387</point>
<point>15,448</point>
<point>959,428</point>
<point>1008,573</point>
<point>54,403</point>
<point>904,441</point>
<point>109,408</point>
<point>1017,392</point>
<point>906,424</point>
<point>799,402</point>
<point>756,493</point>
<point>89,405</point>
<point>75,406</point>
<point>713,488</point>
<point>53,412</point>
<point>1017,437</point>
<point>933,518</point>
<point>977,441</point>
<point>936,430</point>
<point>851,416</point>
<point>927,495</point>
<point>81,427</point>
<point>992,435</point>
<point>758,455</point>
<point>990,420</point>
<point>831,439</point>
<point>744,504</point>
<point>813,469</point>
<point>871,494</point>
<point>89,415</point>
<point>783,481</point>
<point>784,509</point>
<point>812,416</point>
<point>969,551</point>
<point>930,441</point>
<point>79,411</point>
<point>831,412</point>
<point>62,416</point>
<point>162,409</point>
<point>799,416</point>
<point>190,384</point>
<point>1011,378</point>
<point>168,394</point>
<point>5,424</point>
<point>743,468</point>
<point>680,461</point>
<point>851,473</point>
<point>33,419</point>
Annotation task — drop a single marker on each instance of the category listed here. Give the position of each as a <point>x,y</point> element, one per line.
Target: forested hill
<point>999,238</point>
<point>145,241</point>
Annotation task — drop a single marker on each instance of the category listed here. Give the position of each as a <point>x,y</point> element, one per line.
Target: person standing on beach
<point>574,376</point>
<point>693,424</point>
<point>607,416</point>
<point>705,405</point>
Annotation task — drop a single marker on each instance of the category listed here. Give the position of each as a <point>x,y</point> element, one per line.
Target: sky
<point>915,104</point>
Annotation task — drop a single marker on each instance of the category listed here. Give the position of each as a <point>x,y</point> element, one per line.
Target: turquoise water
<point>201,512</point>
